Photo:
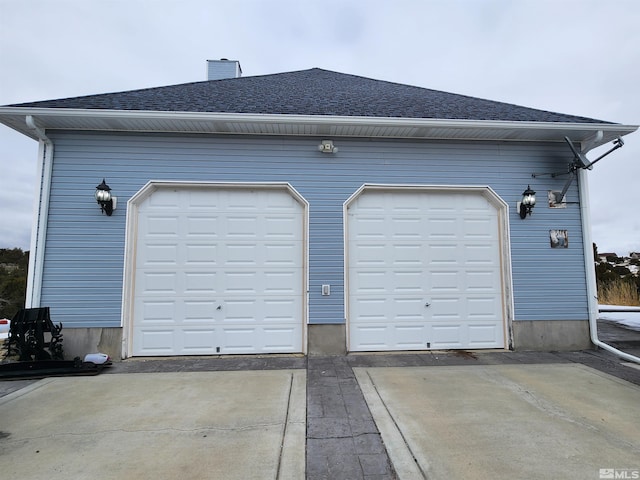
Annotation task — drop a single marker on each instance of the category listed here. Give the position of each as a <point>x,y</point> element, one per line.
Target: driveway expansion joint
<point>342,438</point>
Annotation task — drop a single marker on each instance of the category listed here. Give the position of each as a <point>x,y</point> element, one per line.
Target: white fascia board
<point>134,120</point>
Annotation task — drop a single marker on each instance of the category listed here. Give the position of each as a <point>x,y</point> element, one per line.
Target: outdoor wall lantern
<point>326,146</point>
<point>527,203</point>
<point>104,198</point>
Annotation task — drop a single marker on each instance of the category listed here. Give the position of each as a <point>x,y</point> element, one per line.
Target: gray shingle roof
<point>310,92</point>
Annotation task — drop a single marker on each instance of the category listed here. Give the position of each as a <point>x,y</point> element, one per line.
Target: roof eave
<point>308,125</point>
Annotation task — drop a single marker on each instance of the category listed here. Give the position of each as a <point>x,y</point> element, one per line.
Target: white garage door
<point>424,271</point>
<point>218,270</point>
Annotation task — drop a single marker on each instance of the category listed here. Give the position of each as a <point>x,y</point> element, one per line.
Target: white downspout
<point>592,288</point>
<point>40,215</point>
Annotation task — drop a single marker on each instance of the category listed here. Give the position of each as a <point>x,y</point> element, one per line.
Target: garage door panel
<point>280,339</point>
<point>239,282</point>
<point>259,254</point>
<point>158,282</point>
<point>449,307</point>
<point>477,281</point>
<point>244,339</point>
<point>384,308</point>
<point>278,309</point>
<point>369,254</point>
<point>248,310</point>
<point>160,254</point>
<point>485,335</point>
<point>407,249</point>
<point>368,282</point>
<point>444,281</point>
<point>479,254</point>
<point>404,227</point>
<point>216,266</point>
<point>401,336</point>
<point>257,339</point>
<point>441,228</point>
<point>240,254</point>
<point>369,337</point>
<point>407,254</point>
<point>260,308</point>
<point>204,282</point>
<point>242,227</point>
<point>410,336</point>
<point>282,282</point>
<point>461,281</point>
<point>239,339</point>
<point>408,305</point>
<point>407,280</point>
<point>482,307</point>
<point>161,200</point>
<point>205,254</point>
<point>240,310</point>
<point>256,310</point>
<point>279,255</point>
<point>202,225</point>
<point>447,335</point>
<point>160,225</point>
<point>282,227</point>
<point>368,226</point>
<point>201,311</point>
<point>370,309</point>
<point>477,228</point>
<point>442,254</point>
<point>198,340</point>
<point>157,341</point>
<point>153,312</point>
<point>261,282</point>
<point>202,199</point>
<point>236,200</point>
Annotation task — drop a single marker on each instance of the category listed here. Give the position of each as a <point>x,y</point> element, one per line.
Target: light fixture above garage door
<point>326,146</point>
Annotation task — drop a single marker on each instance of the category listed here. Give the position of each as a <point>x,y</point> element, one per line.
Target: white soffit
<point>307,125</point>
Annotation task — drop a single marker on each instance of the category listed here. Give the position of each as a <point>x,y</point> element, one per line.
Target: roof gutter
<point>309,125</point>
<point>269,117</point>
<point>592,288</point>
<point>41,213</point>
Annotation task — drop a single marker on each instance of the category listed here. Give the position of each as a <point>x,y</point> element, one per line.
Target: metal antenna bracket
<point>581,161</point>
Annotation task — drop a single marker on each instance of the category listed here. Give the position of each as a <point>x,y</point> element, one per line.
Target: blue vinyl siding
<point>84,257</point>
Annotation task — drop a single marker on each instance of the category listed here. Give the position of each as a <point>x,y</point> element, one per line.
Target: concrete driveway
<point>504,421</point>
<point>204,425</point>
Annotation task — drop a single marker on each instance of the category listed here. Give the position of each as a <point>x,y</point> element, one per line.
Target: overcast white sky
<point>580,57</point>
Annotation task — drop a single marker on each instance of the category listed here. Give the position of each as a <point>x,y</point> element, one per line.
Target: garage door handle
<point>427,304</point>
<point>219,307</point>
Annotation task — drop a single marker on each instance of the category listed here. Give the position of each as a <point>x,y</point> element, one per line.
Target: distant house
<point>635,255</point>
<point>310,211</point>
<point>9,267</point>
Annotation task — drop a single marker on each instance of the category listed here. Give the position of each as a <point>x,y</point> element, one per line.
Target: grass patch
<point>618,292</point>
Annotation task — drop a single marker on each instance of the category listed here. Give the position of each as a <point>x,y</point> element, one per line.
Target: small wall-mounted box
<point>556,200</point>
<point>326,290</point>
